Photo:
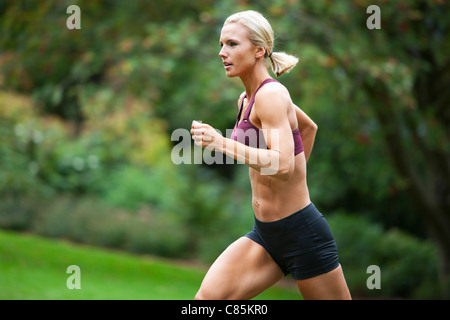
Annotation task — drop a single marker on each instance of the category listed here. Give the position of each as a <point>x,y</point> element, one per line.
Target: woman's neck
<point>253,80</point>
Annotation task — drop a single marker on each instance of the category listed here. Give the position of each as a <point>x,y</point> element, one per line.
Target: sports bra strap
<point>252,100</point>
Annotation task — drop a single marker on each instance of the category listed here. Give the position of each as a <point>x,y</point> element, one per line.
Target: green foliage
<point>89,221</point>
<point>409,267</point>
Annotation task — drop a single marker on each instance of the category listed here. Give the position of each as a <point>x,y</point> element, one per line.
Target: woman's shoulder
<point>274,87</point>
<point>273,92</point>
<point>272,102</point>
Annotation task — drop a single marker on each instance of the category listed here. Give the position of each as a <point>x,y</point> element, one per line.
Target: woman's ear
<point>260,52</point>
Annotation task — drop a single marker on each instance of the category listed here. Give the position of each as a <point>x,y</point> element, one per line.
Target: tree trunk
<point>428,186</point>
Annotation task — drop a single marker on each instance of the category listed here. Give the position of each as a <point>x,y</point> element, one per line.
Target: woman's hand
<point>206,136</point>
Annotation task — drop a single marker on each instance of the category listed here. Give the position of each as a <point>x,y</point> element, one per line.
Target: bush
<point>409,266</point>
<point>114,184</point>
<point>90,221</point>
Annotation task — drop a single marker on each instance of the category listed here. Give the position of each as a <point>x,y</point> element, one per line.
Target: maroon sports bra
<point>245,132</point>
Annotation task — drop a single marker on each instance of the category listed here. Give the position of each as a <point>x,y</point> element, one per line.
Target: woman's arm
<point>307,129</point>
<point>278,159</point>
<point>265,161</point>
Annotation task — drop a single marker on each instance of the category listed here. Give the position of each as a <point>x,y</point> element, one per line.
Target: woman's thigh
<point>328,286</point>
<point>242,271</point>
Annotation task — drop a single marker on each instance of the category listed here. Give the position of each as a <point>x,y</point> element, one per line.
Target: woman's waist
<point>294,223</point>
<point>268,209</point>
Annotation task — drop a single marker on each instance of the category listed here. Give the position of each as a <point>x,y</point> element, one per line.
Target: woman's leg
<point>327,286</point>
<point>242,271</point>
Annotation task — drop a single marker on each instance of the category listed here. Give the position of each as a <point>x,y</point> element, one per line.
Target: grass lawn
<point>32,267</point>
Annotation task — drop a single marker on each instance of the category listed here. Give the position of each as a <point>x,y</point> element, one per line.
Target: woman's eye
<point>233,44</point>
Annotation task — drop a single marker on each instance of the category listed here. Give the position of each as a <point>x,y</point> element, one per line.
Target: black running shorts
<point>301,244</point>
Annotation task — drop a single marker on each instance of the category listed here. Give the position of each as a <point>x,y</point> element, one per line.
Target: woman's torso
<point>272,198</point>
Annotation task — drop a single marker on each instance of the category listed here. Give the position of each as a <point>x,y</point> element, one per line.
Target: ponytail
<point>282,62</point>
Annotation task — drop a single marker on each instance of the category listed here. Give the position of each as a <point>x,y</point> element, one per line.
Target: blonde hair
<point>261,35</point>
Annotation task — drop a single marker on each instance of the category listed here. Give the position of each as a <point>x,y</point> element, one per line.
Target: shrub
<point>91,221</point>
<point>409,266</point>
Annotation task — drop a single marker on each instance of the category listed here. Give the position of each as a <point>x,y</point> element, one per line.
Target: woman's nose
<point>222,52</point>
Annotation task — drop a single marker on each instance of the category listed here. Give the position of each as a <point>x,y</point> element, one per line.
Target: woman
<point>274,138</point>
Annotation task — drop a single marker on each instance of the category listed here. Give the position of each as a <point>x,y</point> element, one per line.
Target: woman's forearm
<point>308,135</point>
<point>265,161</point>
<point>308,130</point>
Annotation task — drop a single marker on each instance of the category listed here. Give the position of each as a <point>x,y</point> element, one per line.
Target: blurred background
<point>86,118</point>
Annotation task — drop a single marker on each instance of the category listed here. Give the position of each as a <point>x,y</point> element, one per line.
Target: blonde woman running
<point>274,138</point>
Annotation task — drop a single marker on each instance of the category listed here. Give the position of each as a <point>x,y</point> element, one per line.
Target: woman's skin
<point>245,269</point>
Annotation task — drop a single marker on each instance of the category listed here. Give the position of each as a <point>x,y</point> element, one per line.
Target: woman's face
<point>238,53</point>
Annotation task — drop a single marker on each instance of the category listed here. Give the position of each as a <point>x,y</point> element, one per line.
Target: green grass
<point>33,267</point>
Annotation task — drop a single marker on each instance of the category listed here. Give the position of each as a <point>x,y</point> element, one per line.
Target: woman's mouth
<point>227,65</point>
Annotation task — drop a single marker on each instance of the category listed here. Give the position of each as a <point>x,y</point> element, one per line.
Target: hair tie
<point>270,54</point>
